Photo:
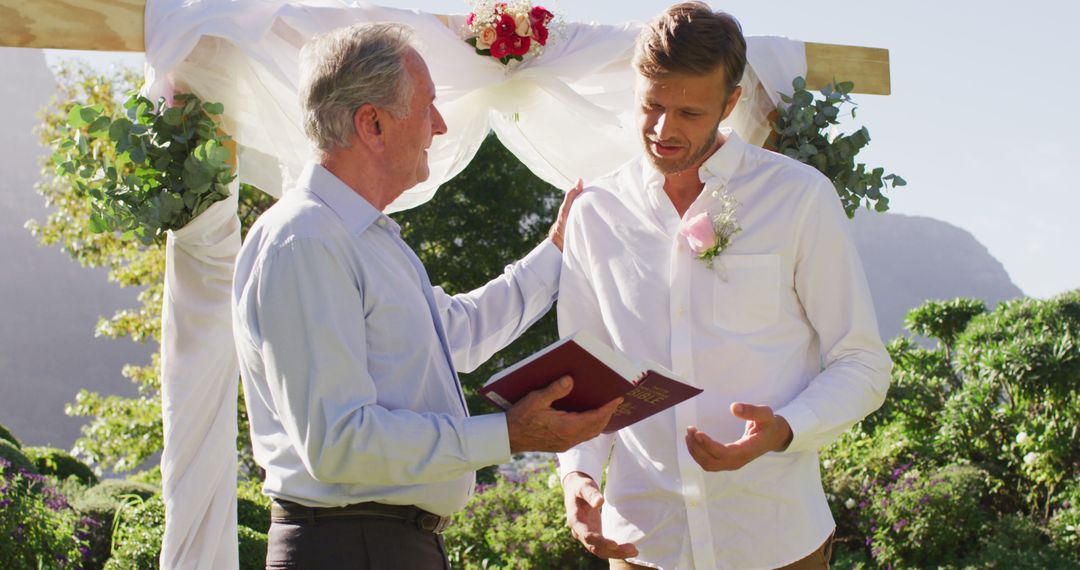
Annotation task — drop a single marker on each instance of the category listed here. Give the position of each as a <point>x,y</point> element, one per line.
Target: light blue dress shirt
<point>348,354</point>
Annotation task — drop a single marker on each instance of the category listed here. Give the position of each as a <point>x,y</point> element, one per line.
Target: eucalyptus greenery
<point>802,132</point>
<point>170,164</point>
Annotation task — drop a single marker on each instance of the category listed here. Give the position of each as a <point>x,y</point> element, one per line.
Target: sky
<point>981,120</point>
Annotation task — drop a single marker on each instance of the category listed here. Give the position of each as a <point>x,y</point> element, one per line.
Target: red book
<point>600,375</point>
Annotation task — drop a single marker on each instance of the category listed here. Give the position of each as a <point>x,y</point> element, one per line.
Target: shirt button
<point>680,312</point>
<point>381,222</point>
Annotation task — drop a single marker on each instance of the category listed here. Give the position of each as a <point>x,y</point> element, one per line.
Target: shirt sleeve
<point>832,288</point>
<point>311,332</point>
<point>483,321</point>
<point>579,309</point>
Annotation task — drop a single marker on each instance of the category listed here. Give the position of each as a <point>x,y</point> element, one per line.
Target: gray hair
<point>343,69</point>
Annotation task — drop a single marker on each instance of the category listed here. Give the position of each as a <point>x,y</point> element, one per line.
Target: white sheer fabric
<point>566,114</point>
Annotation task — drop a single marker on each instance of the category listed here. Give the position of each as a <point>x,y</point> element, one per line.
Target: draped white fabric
<point>566,114</point>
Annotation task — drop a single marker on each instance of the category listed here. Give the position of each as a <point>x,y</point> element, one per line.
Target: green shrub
<point>1018,543</point>
<point>139,532</point>
<point>252,549</point>
<point>118,489</point>
<point>519,525</point>
<point>253,507</point>
<point>6,435</point>
<point>102,510</point>
<point>15,457</point>
<point>58,463</point>
<point>919,520</point>
<point>1065,522</point>
<point>38,529</point>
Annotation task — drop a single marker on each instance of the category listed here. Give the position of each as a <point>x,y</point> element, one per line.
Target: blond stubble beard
<point>699,155</point>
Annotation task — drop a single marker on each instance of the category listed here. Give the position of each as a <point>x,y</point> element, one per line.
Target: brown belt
<point>430,522</point>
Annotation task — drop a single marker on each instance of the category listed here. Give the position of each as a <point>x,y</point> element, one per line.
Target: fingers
<point>751,413</point>
<point>554,391</point>
<point>591,494</point>
<point>604,547</point>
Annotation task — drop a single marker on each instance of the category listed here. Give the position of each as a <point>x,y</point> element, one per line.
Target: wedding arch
<point>565,114</point>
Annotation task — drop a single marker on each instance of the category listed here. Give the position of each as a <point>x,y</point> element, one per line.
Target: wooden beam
<point>867,68</point>
<point>106,25</point>
<point>117,25</point>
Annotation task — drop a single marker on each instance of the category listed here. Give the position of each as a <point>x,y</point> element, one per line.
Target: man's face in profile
<point>408,138</point>
<point>678,115</point>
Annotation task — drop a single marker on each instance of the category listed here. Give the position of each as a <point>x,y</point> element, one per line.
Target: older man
<point>347,352</point>
<point>776,324</point>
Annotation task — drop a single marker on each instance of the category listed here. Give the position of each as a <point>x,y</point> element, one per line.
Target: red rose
<point>470,19</point>
<point>540,16</point>
<point>505,26</point>
<point>501,48</point>
<point>519,45</point>
<point>540,34</point>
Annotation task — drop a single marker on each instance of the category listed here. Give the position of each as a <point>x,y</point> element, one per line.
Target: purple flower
<point>899,525</point>
<point>19,534</point>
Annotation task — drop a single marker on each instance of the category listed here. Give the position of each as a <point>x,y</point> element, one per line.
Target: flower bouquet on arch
<point>508,30</point>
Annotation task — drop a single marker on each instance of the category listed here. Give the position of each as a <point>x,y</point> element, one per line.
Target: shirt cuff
<point>487,439</point>
<point>576,460</point>
<point>801,419</point>
<point>545,261</point>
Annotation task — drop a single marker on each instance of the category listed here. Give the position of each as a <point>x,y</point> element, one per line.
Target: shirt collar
<point>719,168</point>
<point>355,211</point>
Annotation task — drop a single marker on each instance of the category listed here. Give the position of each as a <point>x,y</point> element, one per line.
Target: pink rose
<point>698,233</point>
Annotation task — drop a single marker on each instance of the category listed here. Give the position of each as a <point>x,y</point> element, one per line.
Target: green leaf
<point>803,98</point>
<point>173,116</point>
<point>75,119</point>
<point>98,225</point>
<point>845,87</point>
<point>799,83</point>
<point>100,126</point>
<point>213,108</point>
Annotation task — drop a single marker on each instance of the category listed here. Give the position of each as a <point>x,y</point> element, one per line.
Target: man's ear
<point>366,126</point>
<point>732,99</point>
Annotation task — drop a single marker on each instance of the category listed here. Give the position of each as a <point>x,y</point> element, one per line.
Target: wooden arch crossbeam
<point>117,25</point>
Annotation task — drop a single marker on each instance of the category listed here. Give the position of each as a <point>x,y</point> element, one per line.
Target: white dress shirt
<point>345,351</point>
<point>785,299</point>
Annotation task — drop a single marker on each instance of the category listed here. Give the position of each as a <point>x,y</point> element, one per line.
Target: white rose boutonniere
<point>708,234</point>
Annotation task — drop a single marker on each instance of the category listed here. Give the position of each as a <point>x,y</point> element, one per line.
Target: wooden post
<point>105,25</point>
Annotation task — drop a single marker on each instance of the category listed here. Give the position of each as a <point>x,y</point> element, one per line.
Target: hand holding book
<point>533,425</point>
<point>600,374</point>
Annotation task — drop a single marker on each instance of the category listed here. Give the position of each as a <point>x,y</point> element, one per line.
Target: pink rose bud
<point>698,233</point>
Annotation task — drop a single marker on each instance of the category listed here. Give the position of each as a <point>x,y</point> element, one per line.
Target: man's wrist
<point>789,434</point>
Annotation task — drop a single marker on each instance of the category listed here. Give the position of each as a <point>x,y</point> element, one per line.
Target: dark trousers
<point>353,543</point>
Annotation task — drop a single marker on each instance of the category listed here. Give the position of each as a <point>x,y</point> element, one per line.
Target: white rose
<point>524,27</point>
<point>553,481</point>
<point>486,37</point>
<point>1022,438</point>
<point>850,503</point>
<point>1030,458</point>
<point>826,464</point>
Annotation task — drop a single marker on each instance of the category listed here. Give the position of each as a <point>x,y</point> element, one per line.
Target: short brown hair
<point>691,38</point>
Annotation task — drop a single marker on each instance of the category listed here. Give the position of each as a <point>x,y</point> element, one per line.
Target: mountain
<point>909,259</point>
<point>49,305</point>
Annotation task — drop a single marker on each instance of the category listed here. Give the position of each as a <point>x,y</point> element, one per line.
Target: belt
<point>429,522</point>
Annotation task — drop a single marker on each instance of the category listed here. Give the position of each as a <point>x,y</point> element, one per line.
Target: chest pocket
<point>746,292</point>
